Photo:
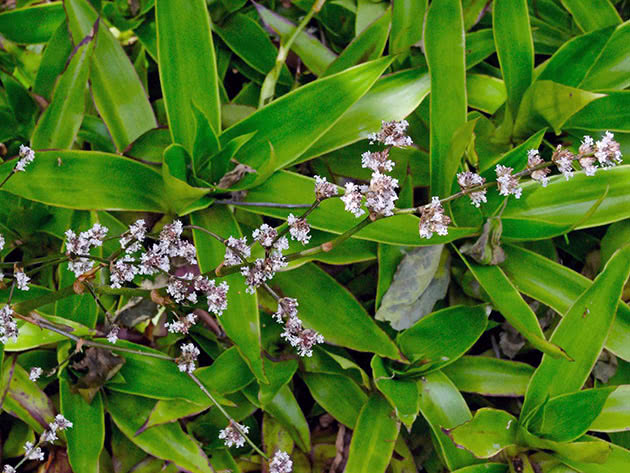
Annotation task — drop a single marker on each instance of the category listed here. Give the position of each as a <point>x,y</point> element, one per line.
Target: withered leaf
<point>99,366</point>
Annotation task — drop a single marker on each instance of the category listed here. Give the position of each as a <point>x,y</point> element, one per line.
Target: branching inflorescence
<point>171,255</point>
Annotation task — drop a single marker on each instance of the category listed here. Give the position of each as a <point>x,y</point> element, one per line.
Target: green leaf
<point>373,438</point>
<point>489,376</point>
<point>314,54</point>
<point>118,94</point>
<point>53,62</point>
<point>188,71</point>
<point>565,203</point>
<point>405,30</point>
<point>570,64</point>
<point>286,410</point>
<point>506,299</point>
<point>86,437</point>
<point>592,14</point>
<point>615,415</point>
<point>558,287</point>
<point>606,113</point>
<point>251,43</point>
<point>392,97</point>
<point>168,441</point>
<point>179,194</point>
<point>582,332</point>
<point>443,407</point>
<point>292,123</point>
<point>369,45</point>
<point>611,69</point>
<point>547,103</point>
<point>291,188</point>
<point>484,468</point>
<point>351,326</point>
<point>488,433</point>
<point>485,93</point>
<point>34,24</point>
<point>515,48</point>
<point>60,122</point>
<point>74,179</point>
<point>617,460</point>
<point>443,336</point>
<point>567,417</point>
<point>241,319</point>
<point>339,395</point>
<point>401,393</point>
<point>23,399</point>
<point>479,45</point>
<point>444,47</point>
<point>31,336</point>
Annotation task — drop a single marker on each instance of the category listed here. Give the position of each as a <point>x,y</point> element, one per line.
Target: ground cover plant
<point>315,237</point>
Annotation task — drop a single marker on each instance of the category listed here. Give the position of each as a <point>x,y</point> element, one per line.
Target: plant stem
<point>262,204</point>
<point>227,416</point>
<point>268,89</point>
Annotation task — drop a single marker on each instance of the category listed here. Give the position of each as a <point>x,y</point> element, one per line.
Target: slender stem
<point>268,88</point>
<point>227,416</point>
<point>44,259</point>
<point>45,265</point>
<point>4,181</point>
<point>262,204</point>
<point>284,231</point>
<point>48,326</point>
<point>110,318</point>
<point>209,232</point>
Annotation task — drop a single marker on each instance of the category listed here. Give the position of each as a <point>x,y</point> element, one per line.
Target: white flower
<point>217,297</point>
<point>233,246</point>
<point>33,453</point>
<point>61,422</point>
<point>607,151</point>
<point>112,335</point>
<point>22,280</point>
<point>50,435</point>
<point>507,183</point>
<point>533,160</point>
<point>299,229</point>
<point>186,361</point>
<point>589,165</point>
<point>586,147</point>
<point>262,270</point>
<point>563,159</point>
<point>392,134</point>
<point>2,243</point>
<point>468,180</point>
<point>287,308</point>
<point>265,235</point>
<point>303,339</point>
<point>136,233</point>
<point>353,199</point>
<point>122,271</point>
<point>182,325</point>
<point>27,156</point>
<point>233,436</point>
<point>9,469</point>
<point>378,161</point>
<point>8,326</point>
<point>35,373</point>
<point>324,189</point>
<point>281,463</point>
<point>381,194</point>
<point>180,289</point>
<point>433,219</point>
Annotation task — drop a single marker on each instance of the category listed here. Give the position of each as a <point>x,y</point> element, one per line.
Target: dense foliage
<point>359,236</point>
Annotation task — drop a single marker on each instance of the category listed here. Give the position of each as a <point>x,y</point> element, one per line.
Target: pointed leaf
<point>582,332</point>
<point>34,24</point>
<point>615,415</point>
<point>339,395</point>
<point>188,71</point>
<point>444,45</point>
<point>118,94</point>
<point>488,433</point>
<point>592,14</point>
<point>373,438</point>
<point>401,393</point>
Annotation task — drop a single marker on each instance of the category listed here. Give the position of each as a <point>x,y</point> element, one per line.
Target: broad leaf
<point>488,433</point>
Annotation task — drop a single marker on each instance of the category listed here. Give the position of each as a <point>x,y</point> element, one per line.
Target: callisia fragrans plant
<point>300,237</point>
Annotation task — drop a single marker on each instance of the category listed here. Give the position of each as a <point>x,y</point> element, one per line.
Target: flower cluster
<point>34,451</point>
<point>170,245</point>
<point>26,157</point>
<point>380,195</point>
<point>264,269</point>
<point>299,229</point>
<point>188,358</point>
<point>324,189</point>
<point>35,373</point>
<point>21,280</point>
<point>280,463</point>
<point>507,183</point>
<point>433,219</point>
<point>235,249</point>
<point>233,434</point>
<point>605,153</point>
<point>78,247</point>
<point>534,160</point>
<point>182,324</point>
<point>8,326</point>
<point>303,339</point>
<point>470,180</point>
